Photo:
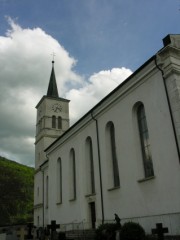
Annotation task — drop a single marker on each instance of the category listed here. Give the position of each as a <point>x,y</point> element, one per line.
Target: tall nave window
<point>145,143</point>
<point>89,167</point>
<point>72,175</point>
<point>59,180</point>
<point>111,154</point>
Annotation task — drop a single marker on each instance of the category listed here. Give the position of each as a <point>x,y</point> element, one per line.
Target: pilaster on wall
<point>168,60</point>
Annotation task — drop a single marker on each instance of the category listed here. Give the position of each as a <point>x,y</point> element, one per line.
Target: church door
<point>93,214</point>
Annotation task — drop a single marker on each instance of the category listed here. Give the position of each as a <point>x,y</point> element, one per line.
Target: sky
<point>97,45</point>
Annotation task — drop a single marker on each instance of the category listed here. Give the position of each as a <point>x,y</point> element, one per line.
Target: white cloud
<point>98,86</point>
<point>25,68</point>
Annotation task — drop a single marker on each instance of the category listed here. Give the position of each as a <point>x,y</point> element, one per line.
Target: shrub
<point>151,237</point>
<point>132,231</point>
<point>107,229</point>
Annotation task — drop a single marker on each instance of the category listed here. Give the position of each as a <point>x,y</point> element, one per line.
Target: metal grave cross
<point>159,230</point>
<point>53,56</point>
<point>53,226</point>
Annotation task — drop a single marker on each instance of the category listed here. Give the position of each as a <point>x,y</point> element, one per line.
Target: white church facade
<point>123,156</point>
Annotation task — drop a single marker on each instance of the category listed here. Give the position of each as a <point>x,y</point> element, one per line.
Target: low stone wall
<point>14,232</point>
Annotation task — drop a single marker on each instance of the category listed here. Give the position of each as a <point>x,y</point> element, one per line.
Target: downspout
<point>43,196</point>
<point>170,110</point>
<point>100,174</point>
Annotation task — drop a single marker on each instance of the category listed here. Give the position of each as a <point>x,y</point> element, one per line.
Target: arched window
<point>59,180</point>
<point>59,122</point>
<point>111,154</point>
<point>53,121</point>
<point>38,221</point>
<point>72,175</point>
<point>145,143</point>
<point>89,167</point>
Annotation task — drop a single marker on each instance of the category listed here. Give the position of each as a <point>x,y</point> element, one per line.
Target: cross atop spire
<point>53,55</point>
<point>52,88</point>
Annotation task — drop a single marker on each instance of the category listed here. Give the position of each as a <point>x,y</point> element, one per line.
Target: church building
<point>122,156</point>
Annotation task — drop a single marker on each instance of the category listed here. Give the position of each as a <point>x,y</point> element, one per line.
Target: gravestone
<point>159,230</point>
<point>30,227</point>
<point>117,237</point>
<point>2,236</point>
<point>40,233</point>
<point>118,224</point>
<point>118,221</point>
<point>53,226</point>
<point>11,235</point>
<point>21,233</point>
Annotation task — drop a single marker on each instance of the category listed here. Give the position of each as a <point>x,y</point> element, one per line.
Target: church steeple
<point>52,88</point>
<point>52,119</point>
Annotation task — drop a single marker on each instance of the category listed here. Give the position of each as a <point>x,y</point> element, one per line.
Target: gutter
<point>170,110</point>
<point>43,197</point>
<point>100,173</point>
<point>42,170</point>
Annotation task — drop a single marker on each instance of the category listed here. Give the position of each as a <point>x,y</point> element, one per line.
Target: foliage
<point>106,229</point>
<point>16,192</point>
<point>151,237</point>
<point>132,231</point>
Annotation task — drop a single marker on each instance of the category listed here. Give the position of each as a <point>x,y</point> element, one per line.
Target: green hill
<point>16,192</point>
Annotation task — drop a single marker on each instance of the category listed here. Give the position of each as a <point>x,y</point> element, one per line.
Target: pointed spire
<point>52,88</point>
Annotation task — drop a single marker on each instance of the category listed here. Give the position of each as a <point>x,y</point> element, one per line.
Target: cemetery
<point>108,231</point>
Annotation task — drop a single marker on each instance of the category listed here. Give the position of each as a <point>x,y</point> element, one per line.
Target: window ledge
<point>145,179</point>
<point>72,199</point>
<point>113,188</point>
<point>40,205</point>
<point>91,194</point>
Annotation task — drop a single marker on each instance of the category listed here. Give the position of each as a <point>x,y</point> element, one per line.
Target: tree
<point>16,192</point>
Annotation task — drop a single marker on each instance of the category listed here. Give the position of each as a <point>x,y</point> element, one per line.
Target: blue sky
<point>98,44</point>
<point>100,34</point>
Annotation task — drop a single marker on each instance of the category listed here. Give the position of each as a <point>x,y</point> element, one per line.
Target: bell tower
<point>52,118</point>
<point>51,122</point>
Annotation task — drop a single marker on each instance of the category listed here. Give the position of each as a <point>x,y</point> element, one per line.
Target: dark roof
<point>52,88</point>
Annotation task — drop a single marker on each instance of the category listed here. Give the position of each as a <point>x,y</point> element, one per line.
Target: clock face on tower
<point>56,107</point>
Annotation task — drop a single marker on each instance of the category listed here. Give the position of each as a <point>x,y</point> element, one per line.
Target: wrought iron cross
<point>160,230</point>
<point>53,56</point>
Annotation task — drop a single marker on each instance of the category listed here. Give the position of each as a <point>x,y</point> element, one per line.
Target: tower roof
<point>52,88</point>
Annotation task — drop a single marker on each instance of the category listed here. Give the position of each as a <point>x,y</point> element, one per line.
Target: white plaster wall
<point>78,208</point>
<point>156,196</point>
<point>38,199</point>
<point>173,86</point>
<point>38,188</point>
